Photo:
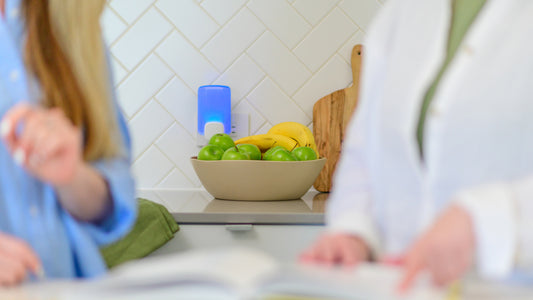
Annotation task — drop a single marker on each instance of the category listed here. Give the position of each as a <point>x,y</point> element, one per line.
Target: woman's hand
<point>44,141</point>
<point>337,248</point>
<point>16,259</point>
<point>446,251</point>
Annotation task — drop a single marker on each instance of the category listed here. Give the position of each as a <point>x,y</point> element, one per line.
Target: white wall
<point>278,56</point>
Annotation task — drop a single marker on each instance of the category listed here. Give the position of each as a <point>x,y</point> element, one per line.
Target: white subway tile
<point>282,19</point>
<point>279,63</point>
<point>186,61</point>
<point>335,75</point>
<point>241,77</point>
<point>361,11</point>
<point>233,39</point>
<point>179,146</point>
<point>222,11</point>
<point>275,105</point>
<point>188,201</point>
<point>149,195</point>
<point>256,119</point>
<point>142,84</point>
<point>190,19</point>
<point>176,180</point>
<point>263,129</point>
<point>151,168</point>
<point>130,10</point>
<point>141,38</point>
<point>181,102</point>
<point>118,71</point>
<point>314,10</point>
<point>147,126</point>
<point>112,25</point>
<point>325,40</point>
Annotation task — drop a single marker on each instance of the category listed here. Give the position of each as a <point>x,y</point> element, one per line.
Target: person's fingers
<point>10,121</point>
<point>336,249</point>
<point>13,271</point>
<point>46,148</point>
<point>409,277</point>
<point>414,263</point>
<point>393,260</point>
<point>325,251</point>
<point>20,250</point>
<point>309,255</point>
<point>33,127</point>
<point>351,252</point>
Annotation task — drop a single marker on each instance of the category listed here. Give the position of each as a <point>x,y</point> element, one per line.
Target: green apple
<point>266,155</point>
<point>282,155</point>
<point>304,153</point>
<point>234,154</point>
<point>222,140</point>
<point>210,152</point>
<point>250,149</point>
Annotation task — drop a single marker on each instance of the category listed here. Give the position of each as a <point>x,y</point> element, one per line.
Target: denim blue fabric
<point>29,208</point>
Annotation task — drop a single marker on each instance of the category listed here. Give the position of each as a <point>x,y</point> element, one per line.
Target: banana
<point>268,140</point>
<point>301,133</point>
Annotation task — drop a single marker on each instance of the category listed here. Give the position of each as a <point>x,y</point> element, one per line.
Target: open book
<point>243,273</point>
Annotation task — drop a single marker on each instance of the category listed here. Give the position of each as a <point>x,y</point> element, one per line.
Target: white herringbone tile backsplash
<point>278,56</point>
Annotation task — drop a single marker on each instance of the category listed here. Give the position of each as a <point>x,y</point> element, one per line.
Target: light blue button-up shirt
<point>29,208</point>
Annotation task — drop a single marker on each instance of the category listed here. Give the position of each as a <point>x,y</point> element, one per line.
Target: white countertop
<point>199,207</point>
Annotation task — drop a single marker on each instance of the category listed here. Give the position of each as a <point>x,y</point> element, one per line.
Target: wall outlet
<point>240,125</point>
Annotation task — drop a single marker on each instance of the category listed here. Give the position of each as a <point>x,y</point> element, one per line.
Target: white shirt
<point>478,139</point>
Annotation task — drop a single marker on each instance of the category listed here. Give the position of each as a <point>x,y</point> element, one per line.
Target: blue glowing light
<point>214,105</point>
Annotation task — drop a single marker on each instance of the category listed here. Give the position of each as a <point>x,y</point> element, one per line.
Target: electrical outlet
<point>240,125</point>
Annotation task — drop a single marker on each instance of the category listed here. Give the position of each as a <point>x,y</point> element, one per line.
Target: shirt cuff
<point>357,224</point>
<point>492,211</point>
<point>122,191</point>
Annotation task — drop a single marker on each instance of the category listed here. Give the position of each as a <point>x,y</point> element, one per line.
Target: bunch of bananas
<point>289,135</point>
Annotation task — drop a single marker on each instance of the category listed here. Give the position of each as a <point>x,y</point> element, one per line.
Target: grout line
<point>175,167</point>
<point>129,25</point>
<point>144,59</point>
<point>166,174</point>
<point>118,14</point>
<point>350,19</point>
<point>251,103</point>
<point>172,116</point>
<point>141,153</point>
<point>320,22</point>
<point>299,13</point>
<point>184,36</point>
<point>244,52</point>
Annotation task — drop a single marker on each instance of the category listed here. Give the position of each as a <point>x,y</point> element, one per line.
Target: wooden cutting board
<point>330,117</point>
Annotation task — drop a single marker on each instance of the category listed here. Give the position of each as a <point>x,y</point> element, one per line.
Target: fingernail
<point>5,128</point>
<point>39,273</point>
<point>19,156</point>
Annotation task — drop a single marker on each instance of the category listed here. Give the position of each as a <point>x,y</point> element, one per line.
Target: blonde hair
<point>65,50</point>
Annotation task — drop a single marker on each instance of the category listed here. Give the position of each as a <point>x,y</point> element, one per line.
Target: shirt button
<point>434,111</point>
<point>34,211</point>
<point>468,50</point>
<point>14,75</point>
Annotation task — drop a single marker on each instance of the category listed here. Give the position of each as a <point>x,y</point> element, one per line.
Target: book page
<point>366,281</point>
<point>231,272</point>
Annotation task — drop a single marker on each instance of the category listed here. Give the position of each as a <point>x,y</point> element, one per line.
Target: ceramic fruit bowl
<point>257,180</point>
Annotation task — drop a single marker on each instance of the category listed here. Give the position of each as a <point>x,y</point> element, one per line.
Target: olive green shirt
<point>463,14</point>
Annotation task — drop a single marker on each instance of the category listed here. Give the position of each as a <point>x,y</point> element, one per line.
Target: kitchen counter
<point>199,207</point>
<point>281,228</point>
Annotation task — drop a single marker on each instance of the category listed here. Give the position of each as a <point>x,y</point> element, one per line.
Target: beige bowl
<point>254,180</point>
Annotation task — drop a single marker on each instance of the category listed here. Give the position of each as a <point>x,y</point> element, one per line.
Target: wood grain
<point>331,115</point>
